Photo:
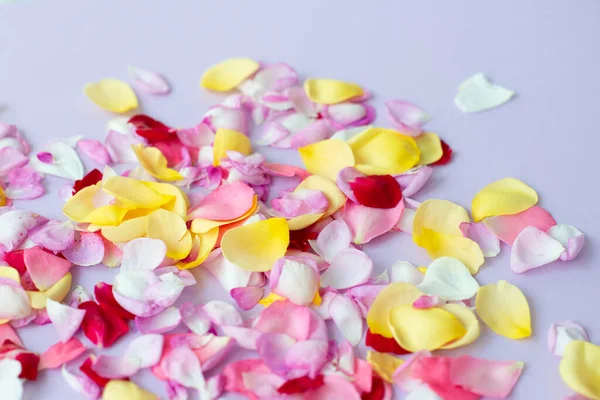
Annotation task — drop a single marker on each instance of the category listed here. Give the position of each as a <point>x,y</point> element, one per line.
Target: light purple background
<point>420,51</point>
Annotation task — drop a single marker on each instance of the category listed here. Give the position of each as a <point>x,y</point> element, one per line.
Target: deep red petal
<point>172,150</point>
<point>301,385</point>
<point>15,259</point>
<point>151,129</point>
<point>86,368</point>
<point>101,328</point>
<point>91,178</point>
<point>299,239</point>
<point>446,154</point>
<point>377,191</point>
<point>107,302</point>
<point>383,344</point>
<point>377,389</point>
<point>29,365</point>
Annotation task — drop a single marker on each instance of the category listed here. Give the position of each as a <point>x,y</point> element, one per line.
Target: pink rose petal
<point>148,81</point>
<point>11,137</point>
<point>81,383</point>
<point>195,318</point>
<point>306,357</point>
<point>44,268</point>
<point>88,250</point>
<point>244,337</point>
<point>54,235</point>
<point>367,223</point>
<point>484,377</point>
<point>119,147</point>
<point>348,318</point>
<point>143,254</point>
<point>570,237</point>
<point>296,279</point>
<point>508,227</point>
<point>301,202</point>
<point>66,319</point>
<point>225,203</point>
<point>165,321</point>
<point>182,366</point>
<point>315,132</point>
<point>427,302</point>
<point>350,267</point>
<point>8,333</point>
<point>61,353</point>
<point>487,241</point>
<point>286,318</point>
<point>24,183</point>
<point>562,333</point>
<point>406,117</point>
<point>413,181</point>
<point>11,158</point>
<point>272,348</point>
<point>147,349</point>
<point>198,136</point>
<point>334,238</point>
<point>229,275</point>
<point>16,225</point>
<point>116,367</point>
<point>247,297</point>
<point>284,170</point>
<point>94,150</point>
<point>534,248</point>
<point>346,114</point>
<point>221,313</point>
<point>403,376</point>
<point>336,387</point>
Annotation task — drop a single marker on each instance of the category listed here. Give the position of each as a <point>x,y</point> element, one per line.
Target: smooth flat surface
<point>547,51</point>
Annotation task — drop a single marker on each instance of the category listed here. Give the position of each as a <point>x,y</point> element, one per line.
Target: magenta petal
<point>247,297</point>
<point>54,235</point>
<point>487,241</point>
<point>427,302</point>
<point>367,223</point>
<point>508,227</point>
<point>407,117</point>
<point>94,150</point>
<point>487,378</point>
<point>24,183</point>
<point>350,267</point>
<point>162,322</point>
<point>88,250</point>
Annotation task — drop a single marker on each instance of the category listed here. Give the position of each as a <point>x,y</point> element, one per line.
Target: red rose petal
<point>16,260</point>
<point>377,191</point>
<point>101,328</point>
<point>299,239</point>
<point>29,365</point>
<point>383,344</point>
<point>172,150</point>
<point>151,129</point>
<point>301,385</point>
<point>446,155</point>
<point>86,368</point>
<point>91,178</point>
<point>377,389</point>
<point>107,302</point>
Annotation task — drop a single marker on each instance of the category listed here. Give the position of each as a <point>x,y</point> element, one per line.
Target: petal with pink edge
<point>296,279</point>
<point>149,81</point>
<point>229,275</point>
<point>508,227</point>
<point>286,318</point>
<point>94,150</point>
<point>413,181</point>
<point>11,158</point>
<point>247,297</point>
<point>347,114</point>
<point>221,313</point>
<point>348,318</point>
<point>24,183</point>
<point>344,177</point>
<point>16,224</point>
<point>164,321</point>
<point>487,378</point>
<point>88,250</point>
<point>54,235</point>
<point>61,353</point>
<point>450,279</point>
<point>334,238</point>
<point>115,367</point>
<point>570,237</point>
<point>225,203</point>
<point>403,375</point>
<point>147,349</point>
<point>65,162</point>
<point>314,132</point>
<point>81,383</point>
<point>562,333</point>
<point>534,248</point>
<point>143,254</point>
<point>66,319</point>
<point>244,337</point>
<point>44,268</point>
<point>480,234</point>
<point>307,357</point>
<point>350,267</point>
<point>367,223</point>
<point>195,318</point>
<point>119,147</point>
<point>406,117</point>
<point>300,202</point>
<point>182,366</point>
<point>272,348</point>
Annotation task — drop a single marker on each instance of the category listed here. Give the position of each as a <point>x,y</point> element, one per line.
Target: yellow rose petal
<point>153,161</point>
<point>80,205</point>
<point>441,216</point>
<point>424,329</point>
<point>334,195</point>
<point>422,270</point>
<point>229,139</point>
<point>384,364</point>
<point>133,192</point>
<point>126,231</point>
<point>112,95</point>
<point>504,308</point>
<point>56,292</point>
<point>126,390</point>
<point>202,245</point>
<point>106,215</point>
<point>468,319</point>
<point>256,246</point>
<point>172,230</point>
<point>270,299</point>
<point>331,91</point>
<point>580,368</point>
<point>393,295</point>
<point>302,221</point>
<point>178,204</point>
<point>504,197</point>
<point>380,151</point>
<point>430,146</point>
<point>10,273</point>
<point>2,198</point>
<point>228,74</point>
<point>327,157</point>
<point>444,245</point>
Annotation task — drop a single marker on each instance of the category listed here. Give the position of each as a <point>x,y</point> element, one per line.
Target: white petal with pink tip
<point>347,317</point>
<point>570,237</point>
<point>350,267</point>
<point>534,248</point>
<point>562,333</point>
<point>66,320</point>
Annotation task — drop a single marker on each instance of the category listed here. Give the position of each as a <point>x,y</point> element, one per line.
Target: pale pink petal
<point>575,396</point>
<point>88,250</point>
<point>11,137</point>
<point>278,77</point>
<point>286,318</point>
<point>129,291</point>
<point>80,295</point>
<point>182,366</point>
<point>272,133</point>
<point>24,183</point>
<point>562,333</point>
<point>112,254</point>
<point>44,268</point>
<point>334,238</point>
<point>262,385</point>
<point>570,237</point>
<point>487,241</point>
<point>119,147</point>
<point>406,117</point>
<point>285,170</point>
<point>54,235</point>
<point>367,223</point>
<point>147,349</point>
<point>534,248</point>
<point>143,254</point>
<point>149,81</point>
<point>221,313</point>
<point>345,114</point>
<point>336,387</point>
<point>81,383</point>
<point>175,391</point>
<point>213,350</point>
<point>11,158</point>
<point>350,267</point>
<point>315,132</point>
<point>406,221</point>
<point>61,353</point>
<point>345,176</point>
<point>244,337</point>
<point>403,375</point>
<point>348,318</point>
<point>301,102</point>
<point>300,202</point>
<point>116,367</point>
<point>487,378</point>
<point>195,318</point>
<point>413,181</point>
<point>94,150</point>
<point>247,297</point>
<point>198,136</point>
<point>346,360</point>
<point>16,225</point>
<point>427,302</point>
<point>306,357</point>
<point>272,348</point>
<point>225,203</point>
<point>8,333</point>
<point>508,227</point>
<point>228,274</point>
<point>66,319</point>
<point>165,321</point>
<point>296,279</point>
<point>227,117</point>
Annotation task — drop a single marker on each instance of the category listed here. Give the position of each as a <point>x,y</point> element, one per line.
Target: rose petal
<point>195,318</point>
<point>148,81</point>
<point>94,150</point>
<point>11,158</point>
<point>221,313</point>
<point>347,317</point>
<point>403,271</point>
<point>448,278</point>
<point>24,183</point>
<point>350,267</point>
<point>477,93</point>
<point>88,250</point>
<point>534,248</point>
<point>164,321</point>
<point>228,74</point>
<point>61,353</point>
<point>327,157</point>
<point>147,349</point>
<point>10,384</point>
<point>81,383</point>
<point>66,319</point>
<point>295,279</point>
<point>334,238</point>
<point>508,227</point>
<point>487,241</point>
<point>427,302</point>
<point>367,223</point>
<point>16,225</point>
<point>562,333</point>
<point>300,202</point>
<point>384,364</point>
<point>504,308</point>
<point>119,147</point>
<point>225,203</point>
<point>412,181</point>
<point>182,366</point>
<point>99,328</point>
<point>307,357</point>
<point>112,95</point>
<point>65,162</point>
<point>570,237</point>
<point>330,91</point>
<point>44,268</point>
<point>376,191</point>
<point>119,389</point>
<point>504,197</point>
<point>406,117</point>
<point>54,235</point>
<point>579,368</point>
<point>436,373</point>
<point>487,378</point>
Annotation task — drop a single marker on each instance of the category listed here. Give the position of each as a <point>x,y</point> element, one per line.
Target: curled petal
<point>54,235</point>
<point>350,267</point>
<point>487,241</point>
<point>412,181</point>
<point>24,183</point>
<point>562,333</point>
<point>247,297</point>
<point>300,202</point>
<point>570,237</point>
<point>504,197</point>
<point>148,81</point>
<point>504,308</point>
<point>347,317</point>
<point>228,74</point>
<point>66,319</point>
<point>295,279</point>
<point>508,227</point>
<point>367,223</point>
<point>407,117</point>
<point>403,271</point>
<point>165,321</point>
<point>534,248</point>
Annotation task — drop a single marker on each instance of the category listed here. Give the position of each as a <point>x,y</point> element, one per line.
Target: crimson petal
<point>108,304</point>
<point>151,129</point>
<point>86,368</point>
<point>446,154</point>
<point>301,385</point>
<point>377,389</point>
<point>29,365</point>
<point>377,191</point>
<point>383,344</point>
<point>16,260</point>
<point>100,327</point>
<point>91,178</point>
<point>299,239</point>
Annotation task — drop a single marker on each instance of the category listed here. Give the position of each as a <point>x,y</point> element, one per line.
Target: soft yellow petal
<point>112,95</point>
<point>442,216</point>
<point>504,308</point>
<point>139,212</point>
<point>179,204</point>
<point>172,230</point>
<point>270,299</point>
<point>381,151</point>
<point>126,390</point>
<point>422,270</point>
<point>334,195</point>
<point>327,157</point>
<point>153,161</point>
<point>393,295</point>
<point>133,192</point>
<point>441,245</point>
<point>580,368</point>
<point>256,246</point>
<point>106,215</point>
<point>56,292</point>
<point>126,231</point>
<point>202,245</point>
<point>200,225</point>
<point>424,329</point>
<point>331,91</point>
<point>303,221</point>
<point>2,198</point>
<point>384,364</point>
<point>504,197</point>
<point>228,74</point>
<point>317,300</point>
<point>468,319</point>
<point>10,273</point>
<point>80,205</point>
<point>431,148</point>
<point>229,139</point>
